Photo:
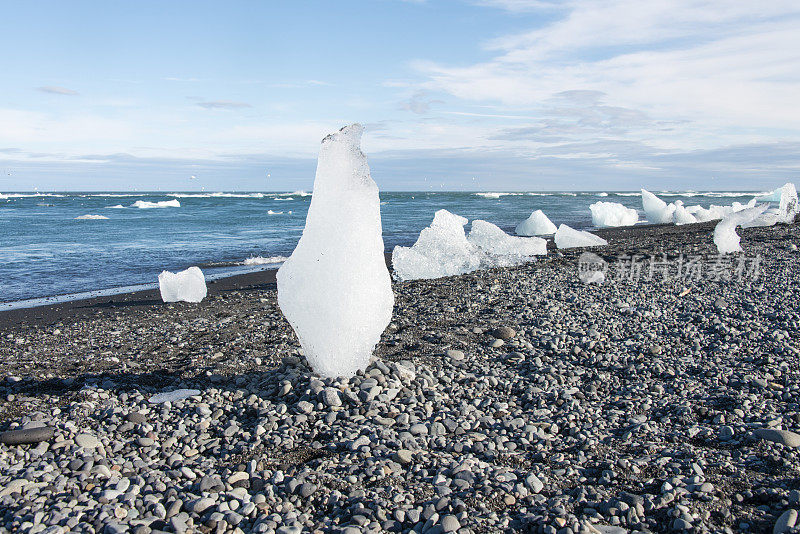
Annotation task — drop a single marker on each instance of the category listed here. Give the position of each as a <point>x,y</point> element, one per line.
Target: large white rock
<point>606,214</point>
<point>725,237</point>
<point>501,249</point>
<point>656,210</point>
<point>536,224</point>
<point>183,286</point>
<point>567,237</point>
<point>335,288</point>
<point>441,250</point>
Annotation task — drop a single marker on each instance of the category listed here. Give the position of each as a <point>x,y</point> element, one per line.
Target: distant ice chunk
<point>606,214</point>
<point>725,237</point>
<point>656,210</point>
<point>501,249</point>
<point>91,218</point>
<point>144,204</point>
<point>442,249</point>
<point>173,396</point>
<point>335,288</point>
<point>183,286</point>
<point>567,237</point>
<point>536,224</point>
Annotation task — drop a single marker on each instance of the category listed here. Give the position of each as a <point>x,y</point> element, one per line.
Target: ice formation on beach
<point>725,237</point>
<point>183,286</point>
<point>335,288</point>
<point>442,249</point>
<point>656,210</point>
<point>536,224</point>
<point>502,250</point>
<point>567,237</point>
<point>683,215</point>
<point>144,204</point>
<point>91,218</point>
<point>605,214</point>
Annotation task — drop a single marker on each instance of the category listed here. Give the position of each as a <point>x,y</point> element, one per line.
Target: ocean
<point>48,247</point>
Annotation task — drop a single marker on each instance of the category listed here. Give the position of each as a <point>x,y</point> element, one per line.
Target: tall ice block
<point>335,288</point>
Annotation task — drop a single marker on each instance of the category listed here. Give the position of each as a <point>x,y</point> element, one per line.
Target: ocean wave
<point>90,217</point>
<point>143,204</point>
<point>258,260</point>
<point>497,195</point>
<point>294,194</point>
<point>602,194</point>
<point>117,207</point>
<point>270,212</point>
<point>30,195</point>
<point>217,195</point>
<point>279,199</point>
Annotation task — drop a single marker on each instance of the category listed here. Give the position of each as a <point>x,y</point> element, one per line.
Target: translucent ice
<point>441,250</point>
<point>536,224</point>
<point>185,286</point>
<point>502,250</point>
<point>335,288</point>
<point>725,237</point>
<point>682,215</point>
<point>567,237</point>
<point>789,207</point>
<point>606,214</point>
<point>656,210</point>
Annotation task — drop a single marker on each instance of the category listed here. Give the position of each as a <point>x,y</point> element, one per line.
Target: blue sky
<point>481,95</point>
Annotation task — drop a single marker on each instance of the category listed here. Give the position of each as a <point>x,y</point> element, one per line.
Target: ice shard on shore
<point>442,249</point>
<point>183,286</point>
<point>335,288</point>
<point>656,210</point>
<point>567,237</point>
<point>725,237</point>
<point>607,214</point>
<point>536,224</point>
<point>503,250</point>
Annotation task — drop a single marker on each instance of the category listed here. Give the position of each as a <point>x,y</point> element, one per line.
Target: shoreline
<point>45,313</point>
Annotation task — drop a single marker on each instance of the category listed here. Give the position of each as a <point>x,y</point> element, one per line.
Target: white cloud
<point>56,90</point>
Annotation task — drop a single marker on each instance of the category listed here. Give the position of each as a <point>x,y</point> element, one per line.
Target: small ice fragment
<point>185,286</point>
<point>725,237</point>
<point>656,210</point>
<point>441,250</point>
<point>335,289</point>
<point>91,218</point>
<point>606,214</point>
<point>567,237</point>
<point>501,249</point>
<point>173,396</point>
<point>536,224</point>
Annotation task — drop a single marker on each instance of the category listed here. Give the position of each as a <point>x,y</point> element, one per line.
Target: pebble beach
<point>507,400</point>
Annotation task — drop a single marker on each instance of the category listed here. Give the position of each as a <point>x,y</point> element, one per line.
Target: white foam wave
<point>496,195</point>
<point>117,207</point>
<point>30,195</point>
<point>90,217</point>
<point>144,204</point>
<point>259,260</point>
<point>294,194</point>
<point>279,199</point>
<point>217,195</point>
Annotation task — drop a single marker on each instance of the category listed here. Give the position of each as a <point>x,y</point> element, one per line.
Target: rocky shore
<point>516,400</point>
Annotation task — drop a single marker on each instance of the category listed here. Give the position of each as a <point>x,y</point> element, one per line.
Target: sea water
<point>46,249</point>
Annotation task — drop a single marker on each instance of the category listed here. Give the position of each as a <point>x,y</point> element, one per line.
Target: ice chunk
<point>173,396</point>
<point>183,286</point>
<point>91,218</point>
<point>144,204</point>
<point>567,237</point>
<point>501,249</point>
<point>606,214</point>
<point>789,207</point>
<point>335,288</point>
<point>683,215</point>
<point>725,237</point>
<point>536,224</point>
<point>441,250</point>
<point>656,210</point>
